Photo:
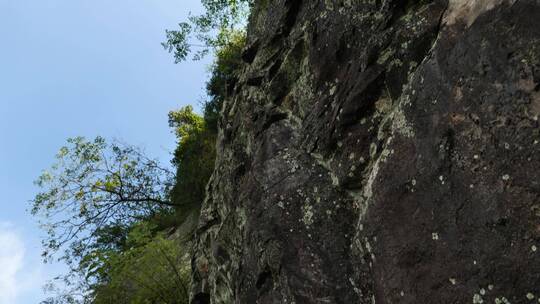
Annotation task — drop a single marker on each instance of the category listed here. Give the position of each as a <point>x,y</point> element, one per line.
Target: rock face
<point>378,152</point>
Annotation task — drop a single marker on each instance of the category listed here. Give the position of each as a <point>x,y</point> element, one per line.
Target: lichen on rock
<point>397,113</point>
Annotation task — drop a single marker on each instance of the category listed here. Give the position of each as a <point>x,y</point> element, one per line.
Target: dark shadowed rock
<point>378,152</point>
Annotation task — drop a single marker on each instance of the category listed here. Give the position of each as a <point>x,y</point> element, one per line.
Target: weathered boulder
<point>378,152</point>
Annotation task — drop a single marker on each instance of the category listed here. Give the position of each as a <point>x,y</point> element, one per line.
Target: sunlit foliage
<point>193,158</point>
<point>110,211</point>
<point>224,76</point>
<point>152,269</point>
<point>209,31</point>
<point>94,185</point>
<point>91,197</point>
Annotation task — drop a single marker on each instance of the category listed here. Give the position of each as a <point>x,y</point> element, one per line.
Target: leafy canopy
<point>208,31</point>
<point>153,270</point>
<point>196,152</point>
<point>106,206</point>
<point>98,195</point>
<point>224,75</point>
<point>193,158</point>
<point>91,197</point>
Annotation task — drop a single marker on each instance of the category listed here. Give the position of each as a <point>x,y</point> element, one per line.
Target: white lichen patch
<point>368,245</point>
<point>361,198</point>
<point>326,164</point>
<point>329,5</point>
<point>453,281</point>
<point>368,189</point>
<point>401,125</point>
<point>502,300</point>
<point>506,177</point>
<point>307,217</point>
<point>477,299</point>
<point>383,105</point>
<point>530,296</point>
<point>467,11</point>
<point>372,150</point>
<point>534,248</point>
<point>385,55</point>
<point>435,236</point>
<point>333,90</point>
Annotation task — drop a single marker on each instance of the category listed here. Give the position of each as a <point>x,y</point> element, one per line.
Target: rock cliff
<point>378,151</point>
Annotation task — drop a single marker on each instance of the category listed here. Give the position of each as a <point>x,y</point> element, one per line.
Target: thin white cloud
<point>11,262</point>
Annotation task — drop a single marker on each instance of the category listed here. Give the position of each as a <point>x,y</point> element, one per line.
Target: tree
<point>224,75</point>
<point>194,158</point>
<point>153,270</point>
<point>195,154</point>
<point>209,31</point>
<point>92,196</point>
<point>106,206</point>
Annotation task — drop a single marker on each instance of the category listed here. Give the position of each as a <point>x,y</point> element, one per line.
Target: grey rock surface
<point>378,152</point>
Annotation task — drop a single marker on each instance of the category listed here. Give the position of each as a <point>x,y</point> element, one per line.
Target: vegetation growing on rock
<point>212,30</point>
<point>122,221</point>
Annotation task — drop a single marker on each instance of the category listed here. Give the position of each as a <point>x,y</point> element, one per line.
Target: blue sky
<point>78,67</point>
